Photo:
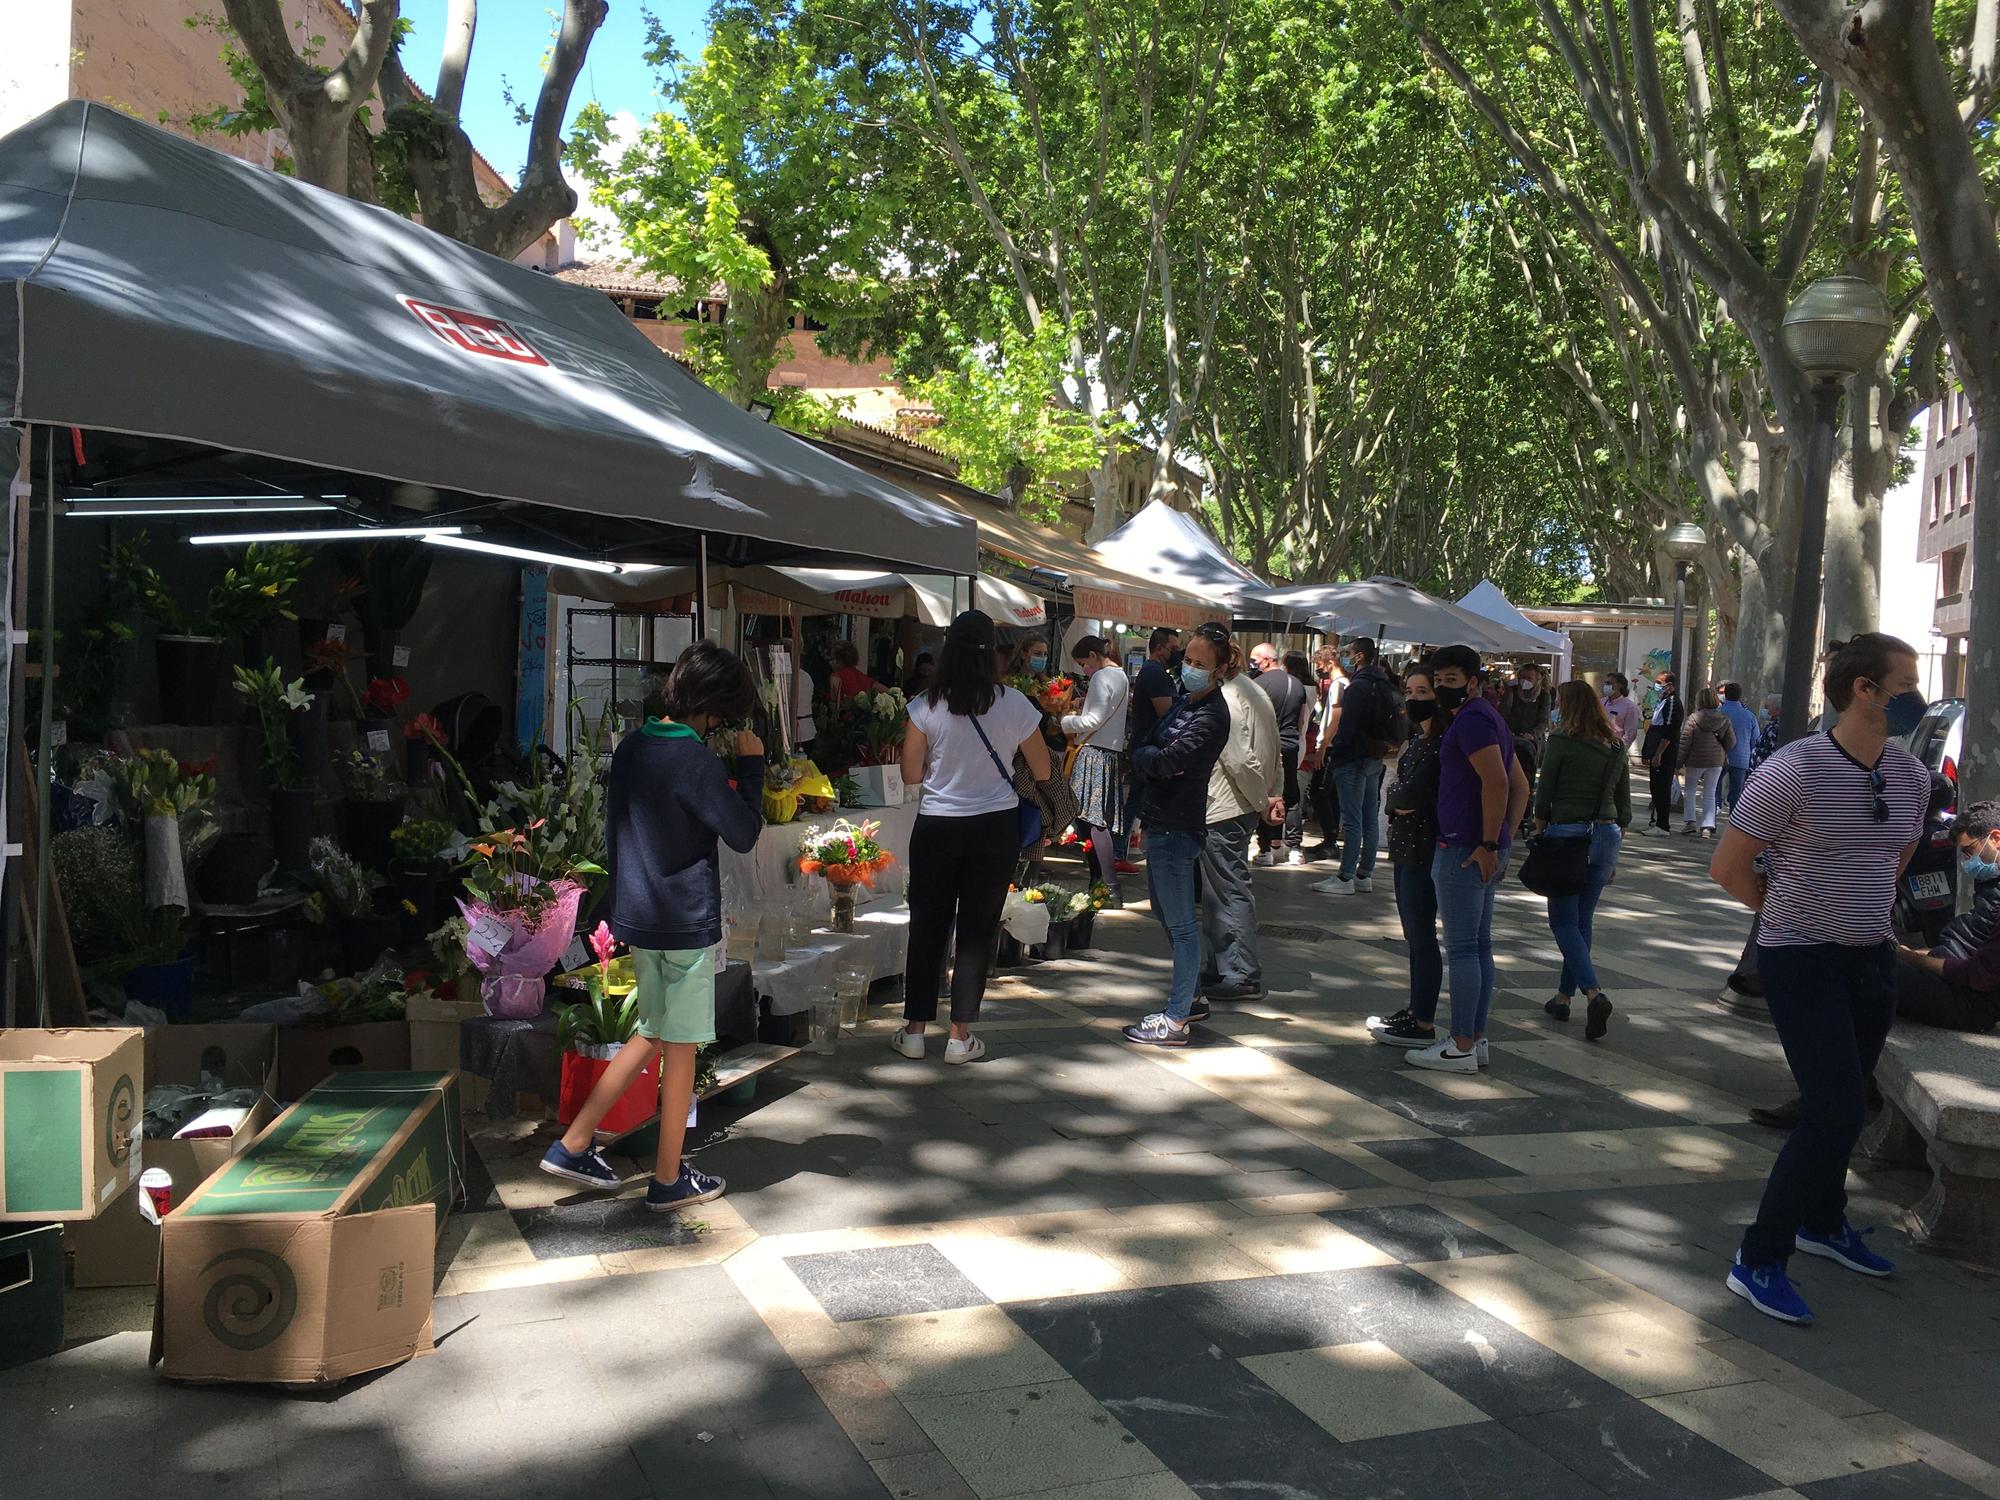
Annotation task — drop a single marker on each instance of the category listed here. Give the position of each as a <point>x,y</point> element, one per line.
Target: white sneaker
<point>1334,885</point>
<point>1485,1052</point>
<point>1364,883</point>
<point>1297,857</point>
<point>969,1050</point>
<point>908,1045</point>
<point>1444,1058</point>
<point>1270,857</point>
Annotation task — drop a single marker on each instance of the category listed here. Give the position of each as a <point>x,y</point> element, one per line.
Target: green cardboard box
<point>71,1120</point>
<point>310,1257</point>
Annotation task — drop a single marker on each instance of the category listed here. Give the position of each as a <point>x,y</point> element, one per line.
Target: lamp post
<point>1684,542</point>
<point>1835,330</point>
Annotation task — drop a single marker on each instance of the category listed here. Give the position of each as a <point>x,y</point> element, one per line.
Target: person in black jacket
<point>1172,769</point>
<point>1661,749</point>
<point>1413,837</point>
<point>1354,759</point>
<point>669,802</point>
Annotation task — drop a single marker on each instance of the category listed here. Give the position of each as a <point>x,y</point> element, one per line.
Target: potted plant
<point>120,943</point>
<point>275,706</point>
<point>165,807</point>
<point>371,807</point>
<point>365,933</point>
<point>192,646</point>
<point>590,1033</point>
<point>521,907</point>
<point>381,701</point>
<point>1058,900</point>
<point>386,585</point>
<point>565,812</point>
<point>847,856</point>
<point>423,738</point>
<point>1084,908</point>
<point>421,848</point>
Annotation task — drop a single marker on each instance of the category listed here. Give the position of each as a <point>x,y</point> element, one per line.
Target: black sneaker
<point>1233,994</point>
<point>1156,1031</point>
<point>1557,1006</point>
<point>1597,1019</point>
<point>1404,1031</point>
<point>691,1187</point>
<point>1199,1010</point>
<point>587,1167</point>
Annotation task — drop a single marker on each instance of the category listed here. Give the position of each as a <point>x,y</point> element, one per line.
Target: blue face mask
<point>1977,869</point>
<point>1038,664</point>
<point>1195,679</point>
<point>1904,711</point>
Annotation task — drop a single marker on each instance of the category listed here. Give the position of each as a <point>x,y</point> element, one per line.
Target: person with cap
<point>959,748</point>
<point>1291,701</point>
<point>1173,770</point>
<point>1097,729</point>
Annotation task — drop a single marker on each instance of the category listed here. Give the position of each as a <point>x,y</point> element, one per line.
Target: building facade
<point>1944,531</point>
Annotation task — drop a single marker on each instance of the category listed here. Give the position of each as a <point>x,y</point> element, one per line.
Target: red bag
<point>641,1102</point>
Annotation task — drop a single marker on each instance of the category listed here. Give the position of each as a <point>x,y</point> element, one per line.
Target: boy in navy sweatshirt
<point>669,801</point>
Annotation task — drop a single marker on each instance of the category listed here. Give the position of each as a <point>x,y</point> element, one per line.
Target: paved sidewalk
<point>1275,1264</point>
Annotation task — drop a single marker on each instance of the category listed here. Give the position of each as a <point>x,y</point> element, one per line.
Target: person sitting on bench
<point>1956,983</point>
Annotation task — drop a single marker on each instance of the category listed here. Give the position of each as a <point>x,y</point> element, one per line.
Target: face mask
<point>1904,710</point>
<point>1449,698</point>
<point>1420,709</point>
<point>1979,869</point>
<point>1038,664</point>
<point>1195,679</point>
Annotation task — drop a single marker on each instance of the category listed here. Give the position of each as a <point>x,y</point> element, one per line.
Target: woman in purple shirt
<point>1482,793</point>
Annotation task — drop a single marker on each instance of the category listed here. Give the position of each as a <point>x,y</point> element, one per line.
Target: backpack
<point>1388,727</point>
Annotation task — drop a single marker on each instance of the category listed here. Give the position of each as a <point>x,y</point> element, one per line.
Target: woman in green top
<point>1584,791</point>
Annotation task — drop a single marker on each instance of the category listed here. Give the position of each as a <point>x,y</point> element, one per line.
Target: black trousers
<point>959,872</point>
<point>1662,779</point>
<point>1292,831</point>
<point>1325,798</point>
<point>1925,998</point>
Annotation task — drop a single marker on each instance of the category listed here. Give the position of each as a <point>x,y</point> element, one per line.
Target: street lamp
<point>1684,542</point>
<point>1834,331</point>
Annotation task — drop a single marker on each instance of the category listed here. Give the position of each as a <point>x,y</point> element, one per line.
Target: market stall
<point>1170,546</point>
<point>1390,609</point>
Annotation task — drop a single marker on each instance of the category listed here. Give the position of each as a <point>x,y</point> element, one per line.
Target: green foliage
<point>273,701</point>
<point>599,1021</point>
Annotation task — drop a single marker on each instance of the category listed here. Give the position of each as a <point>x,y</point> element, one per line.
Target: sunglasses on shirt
<point>1878,785</point>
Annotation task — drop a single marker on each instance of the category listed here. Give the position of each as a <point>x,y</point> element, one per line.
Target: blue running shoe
<point>1846,1247</point>
<point>587,1167</point>
<point>690,1188</point>
<point>1770,1291</point>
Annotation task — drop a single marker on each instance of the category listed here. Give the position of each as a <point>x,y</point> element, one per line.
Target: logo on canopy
<point>474,333</point>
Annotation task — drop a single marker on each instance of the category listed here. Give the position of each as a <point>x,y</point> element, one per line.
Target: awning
<point>1170,547</point>
<point>810,591</point>
<point>1398,611</point>
<point>153,287</point>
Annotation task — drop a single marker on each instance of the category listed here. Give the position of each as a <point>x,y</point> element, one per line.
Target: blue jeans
<point>1465,905</point>
<point>1417,905</point>
<point>1831,1007</point>
<point>1171,860</point>
<point>1360,786</point>
<point>1733,777</point>
<point>1569,916</point>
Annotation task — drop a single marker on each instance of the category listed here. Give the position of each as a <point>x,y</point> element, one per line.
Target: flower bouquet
<point>521,916</point>
<point>883,717</point>
<point>847,856</point>
<point>1057,696</point>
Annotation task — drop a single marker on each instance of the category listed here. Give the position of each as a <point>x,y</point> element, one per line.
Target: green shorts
<point>676,993</point>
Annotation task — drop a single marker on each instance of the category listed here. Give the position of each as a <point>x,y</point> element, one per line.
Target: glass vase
<point>825,1025</point>
<point>843,908</point>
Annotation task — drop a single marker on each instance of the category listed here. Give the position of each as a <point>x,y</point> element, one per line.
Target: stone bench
<point>1941,1093</point>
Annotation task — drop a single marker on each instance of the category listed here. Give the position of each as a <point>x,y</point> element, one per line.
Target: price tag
<point>378,741</point>
<point>489,935</point>
<point>59,734</point>
<point>336,633</point>
<point>400,656</point>
<point>576,955</point>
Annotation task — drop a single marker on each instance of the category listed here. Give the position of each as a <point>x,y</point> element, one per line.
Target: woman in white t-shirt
<point>1098,776</point>
<point>960,747</point>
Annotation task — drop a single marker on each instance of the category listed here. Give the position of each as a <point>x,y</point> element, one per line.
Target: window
<point>1951,475</point>
<point>1966,501</point>
<point>1937,498</point>
<point>1951,572</point>
<point>1957,399</point>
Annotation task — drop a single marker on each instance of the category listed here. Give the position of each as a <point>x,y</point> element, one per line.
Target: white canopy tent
<point>1169,545</point>
<point>1487,601</point>
<point>1390,609</point>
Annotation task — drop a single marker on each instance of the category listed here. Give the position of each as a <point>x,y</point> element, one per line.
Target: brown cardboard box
<point>310,1257</point>
<point>70,1120</point>
<point>434,1027</point>
<point>121,1247</point>
<point>308,1054</point>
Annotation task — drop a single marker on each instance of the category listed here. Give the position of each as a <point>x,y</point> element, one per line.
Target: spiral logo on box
<point>118,1120</point>
<point>252,1305</point>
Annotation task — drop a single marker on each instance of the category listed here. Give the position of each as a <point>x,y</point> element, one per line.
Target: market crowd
<point>1203,758</point>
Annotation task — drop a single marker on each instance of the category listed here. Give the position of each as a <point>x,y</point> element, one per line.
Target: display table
<point>762,870</point>
<point>879,944</point>
<point>521,1057</point>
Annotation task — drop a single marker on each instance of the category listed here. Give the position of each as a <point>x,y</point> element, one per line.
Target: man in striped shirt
<point>1836,816</point>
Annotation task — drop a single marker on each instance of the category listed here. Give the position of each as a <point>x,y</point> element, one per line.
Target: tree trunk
<point>756,324</point>
<point>1853,577</point>
<point>1760,637</point>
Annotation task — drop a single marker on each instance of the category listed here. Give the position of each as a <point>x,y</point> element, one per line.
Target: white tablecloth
<point>880,943</point>
<point>762,870</point>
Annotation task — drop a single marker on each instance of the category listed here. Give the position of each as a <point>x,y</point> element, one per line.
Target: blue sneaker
<point>1770,1291</point>
<point>587,1167</point>
<point>690,1188</point>
<point>1846,1247</point>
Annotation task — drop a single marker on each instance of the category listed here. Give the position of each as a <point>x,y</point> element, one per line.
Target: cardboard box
<point>310,1258</point>
<point>71,1111</point>
<point>309,1054</point>
<point>434,1027</point>
<point>121,1246</point>
<point>877,786</point>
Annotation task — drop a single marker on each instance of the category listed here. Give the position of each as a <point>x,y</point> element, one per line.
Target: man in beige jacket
<point>1246,786</point>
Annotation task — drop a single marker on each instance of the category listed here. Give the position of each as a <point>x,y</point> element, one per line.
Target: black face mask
<point>1420,709</point>
<point>1448,698</point>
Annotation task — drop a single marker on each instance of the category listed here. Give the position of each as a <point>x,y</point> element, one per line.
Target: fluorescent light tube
<point>448,537</point>
<point>275,501</point>
<point>331,534</point>
<point>110,509</point>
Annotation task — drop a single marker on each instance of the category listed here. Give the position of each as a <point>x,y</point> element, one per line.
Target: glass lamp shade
<point>1684,541</point>
<point>1837,326</point>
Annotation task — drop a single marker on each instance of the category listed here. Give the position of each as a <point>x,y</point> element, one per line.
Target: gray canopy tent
<point>184,333</point>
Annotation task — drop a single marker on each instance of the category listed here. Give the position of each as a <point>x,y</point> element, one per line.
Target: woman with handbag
<point>1583,803</point>
<point>1173,772</point>
<point>1097,771</point>
<point>970,830</point>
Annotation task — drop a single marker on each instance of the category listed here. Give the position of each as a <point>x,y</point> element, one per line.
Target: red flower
<point>426,727</point>
<point>386,694</point>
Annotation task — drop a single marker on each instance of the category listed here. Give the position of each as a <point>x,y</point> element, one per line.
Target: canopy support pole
<point>701,586</point>
<point>44,748</point>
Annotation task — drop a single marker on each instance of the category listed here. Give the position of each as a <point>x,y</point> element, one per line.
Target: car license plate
<point>1935,886</point>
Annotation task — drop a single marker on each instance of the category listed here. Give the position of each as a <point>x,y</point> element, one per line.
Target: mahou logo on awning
<point>474,333</point>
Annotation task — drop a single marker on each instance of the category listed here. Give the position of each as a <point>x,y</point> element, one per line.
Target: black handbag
<point>1559,867</point>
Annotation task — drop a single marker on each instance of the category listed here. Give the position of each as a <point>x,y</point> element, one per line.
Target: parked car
<point>1939,738</point>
